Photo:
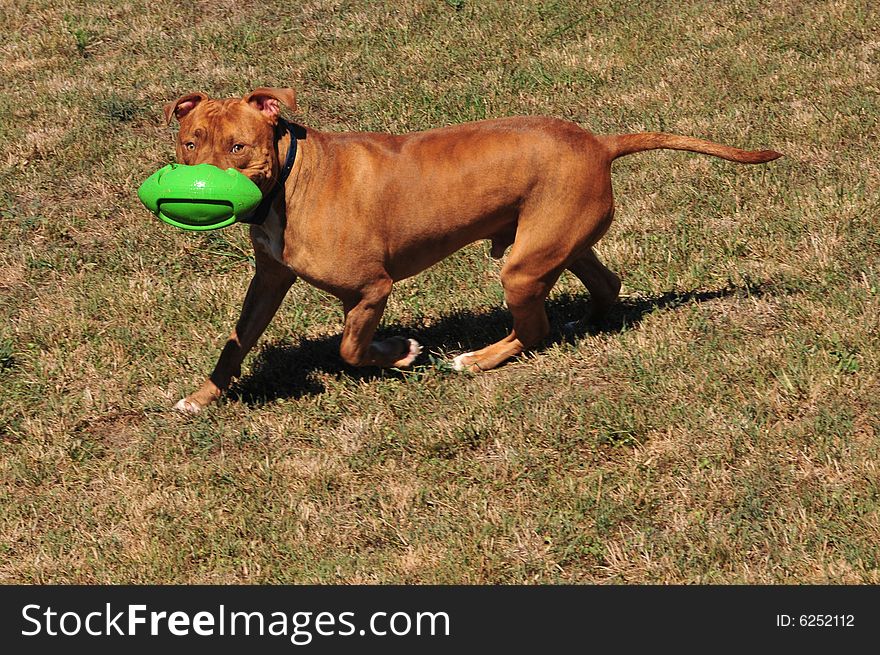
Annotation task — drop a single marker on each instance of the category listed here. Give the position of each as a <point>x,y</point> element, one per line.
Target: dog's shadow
<point>285,369</point>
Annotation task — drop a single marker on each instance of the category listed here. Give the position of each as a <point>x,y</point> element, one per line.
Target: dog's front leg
<point>264,295</point>
<point>363,310</point>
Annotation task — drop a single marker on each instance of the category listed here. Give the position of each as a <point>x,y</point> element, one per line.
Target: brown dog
<point>360,211</point>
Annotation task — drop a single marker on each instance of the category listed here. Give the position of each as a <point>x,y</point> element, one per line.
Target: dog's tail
<point>619,145</point>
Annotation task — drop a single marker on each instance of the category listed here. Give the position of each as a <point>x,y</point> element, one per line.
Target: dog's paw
<point>187,407</point>
<point>415,349</point>
<point>461,363</point>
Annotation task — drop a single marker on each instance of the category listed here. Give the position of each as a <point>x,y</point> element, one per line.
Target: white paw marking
<point>415,349</point>
<point>187,407</point>
<point>458,363</point>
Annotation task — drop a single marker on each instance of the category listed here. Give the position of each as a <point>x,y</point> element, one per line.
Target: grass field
<point>722,426</point>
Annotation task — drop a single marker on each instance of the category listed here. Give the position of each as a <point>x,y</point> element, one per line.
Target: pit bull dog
<point>352,213</point>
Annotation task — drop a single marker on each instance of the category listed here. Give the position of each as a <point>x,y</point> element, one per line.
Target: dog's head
<point>235,133</point>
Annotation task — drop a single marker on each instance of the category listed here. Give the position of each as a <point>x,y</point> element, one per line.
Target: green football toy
<point>200,197</point>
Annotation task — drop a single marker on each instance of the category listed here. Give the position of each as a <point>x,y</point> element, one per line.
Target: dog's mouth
<point>262,176</point>
<point>263,181</point>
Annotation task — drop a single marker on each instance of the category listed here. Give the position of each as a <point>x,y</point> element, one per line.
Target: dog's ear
<point>268,100</point>
<point>182,106</point>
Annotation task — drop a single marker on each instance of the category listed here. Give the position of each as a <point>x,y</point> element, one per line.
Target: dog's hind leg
<point>602,283</point>
<point>363,312</point>
<point>527,278</point>
<point>556,232</point>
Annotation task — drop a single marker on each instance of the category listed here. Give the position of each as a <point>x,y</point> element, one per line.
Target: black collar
<point>258,216</point>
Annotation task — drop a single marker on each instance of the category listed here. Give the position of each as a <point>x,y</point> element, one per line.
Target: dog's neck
<point>284,131</point>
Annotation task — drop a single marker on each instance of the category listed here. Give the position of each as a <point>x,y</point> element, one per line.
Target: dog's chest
<point>269,237</point>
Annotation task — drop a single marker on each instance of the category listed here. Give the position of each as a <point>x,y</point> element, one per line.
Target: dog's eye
<point>189,145</point>
<point>238,147</point>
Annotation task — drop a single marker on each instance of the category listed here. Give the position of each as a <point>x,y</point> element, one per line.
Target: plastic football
<point>200,197</point>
